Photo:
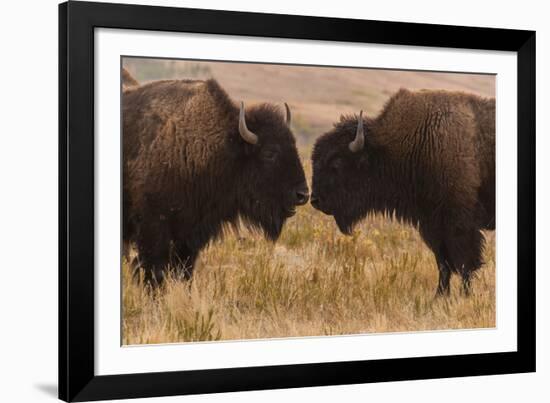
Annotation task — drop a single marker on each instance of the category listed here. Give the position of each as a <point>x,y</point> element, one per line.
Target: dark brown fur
<point>188,172</point>
<point>429,157</point>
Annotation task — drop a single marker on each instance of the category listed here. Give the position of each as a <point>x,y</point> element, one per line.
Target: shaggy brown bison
<point>429,158</point>
<point>194,162</point>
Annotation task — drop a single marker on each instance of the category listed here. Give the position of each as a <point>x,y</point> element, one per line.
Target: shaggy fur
<point>429,158</point>
<point>128,81</point>
<point>187,171</point>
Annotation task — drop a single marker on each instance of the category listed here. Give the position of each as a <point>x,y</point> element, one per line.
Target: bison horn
<point>287,121</point>
<point>359,142</point>
<point>246,134</point>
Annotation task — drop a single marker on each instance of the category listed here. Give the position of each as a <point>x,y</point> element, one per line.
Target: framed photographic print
<point>256,201</point>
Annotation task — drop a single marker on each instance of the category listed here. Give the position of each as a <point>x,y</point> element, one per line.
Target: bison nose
<point>302,196</point>
<point>314,200</point>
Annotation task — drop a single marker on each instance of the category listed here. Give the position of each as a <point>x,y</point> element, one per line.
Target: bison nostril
<point>302,196</point>
<point>314,200</point>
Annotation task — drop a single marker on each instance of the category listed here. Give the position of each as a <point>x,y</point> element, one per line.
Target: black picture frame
<point>77,21</point>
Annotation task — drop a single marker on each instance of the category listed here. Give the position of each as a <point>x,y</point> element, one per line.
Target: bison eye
<point>269,155</point>
<point>336,164</point>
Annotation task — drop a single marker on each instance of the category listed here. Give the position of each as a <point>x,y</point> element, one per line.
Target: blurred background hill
<point>316,95</point>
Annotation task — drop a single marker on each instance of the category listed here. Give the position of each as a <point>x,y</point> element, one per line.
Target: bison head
<point>342,171</point>
<point>272,180</point>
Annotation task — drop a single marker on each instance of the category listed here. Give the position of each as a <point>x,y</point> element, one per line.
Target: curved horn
<point>287,121</point>
<point>246,134</point>
<point>359,142</point>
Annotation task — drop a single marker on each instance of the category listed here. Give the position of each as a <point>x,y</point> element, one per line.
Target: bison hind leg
<point>153,276</point>
<point>153,245</point>
<point>464,249</point>
<point>183,258</point>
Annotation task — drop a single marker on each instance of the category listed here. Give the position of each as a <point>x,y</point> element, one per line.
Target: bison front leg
<point>435,240</point>
<point>444,285</point>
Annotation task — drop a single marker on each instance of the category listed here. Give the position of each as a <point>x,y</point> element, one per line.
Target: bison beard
<point>195,163</point>
<point>345,223</point>
<point>428,158</point>
<point>268,220</point>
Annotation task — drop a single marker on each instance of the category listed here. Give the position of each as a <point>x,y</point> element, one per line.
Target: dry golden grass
<point>313,281</point>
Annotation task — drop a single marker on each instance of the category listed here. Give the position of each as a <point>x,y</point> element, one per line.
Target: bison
<point>195,163</point>
<point>428,158</point>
